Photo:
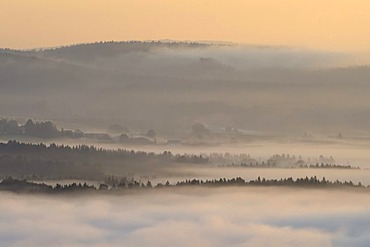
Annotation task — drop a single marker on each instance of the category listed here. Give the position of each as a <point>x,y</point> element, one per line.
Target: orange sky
<point>320,24</point>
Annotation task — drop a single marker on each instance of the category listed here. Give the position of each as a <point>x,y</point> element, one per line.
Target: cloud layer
<point>196,217</point>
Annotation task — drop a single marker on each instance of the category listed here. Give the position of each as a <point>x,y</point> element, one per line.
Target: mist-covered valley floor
<point>224,215</point>
<point>165,112</point>
<point>189,217</point>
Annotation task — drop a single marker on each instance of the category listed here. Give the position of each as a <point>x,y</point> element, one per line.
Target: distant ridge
<point>160,43</point>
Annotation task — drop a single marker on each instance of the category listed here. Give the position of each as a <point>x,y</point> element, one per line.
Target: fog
<point>170,86</point>
<point>189,217</point>
<point>353,152</point>
<point>196,99</point>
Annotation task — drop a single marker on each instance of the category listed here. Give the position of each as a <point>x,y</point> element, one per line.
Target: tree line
<point>273,165</point>
<point>40,161</point>
<point>18,185</point>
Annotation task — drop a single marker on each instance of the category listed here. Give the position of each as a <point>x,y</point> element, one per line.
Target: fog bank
<point>195,217</point>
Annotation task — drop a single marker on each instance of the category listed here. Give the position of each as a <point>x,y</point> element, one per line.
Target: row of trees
<point>40,161</point>
<point>35,129</point>
<point>299,182</point>
<point>15,147</point>
<point>47,130</point>
<point>276,160</point>
<point>16,185</point>
<point>301,165</point>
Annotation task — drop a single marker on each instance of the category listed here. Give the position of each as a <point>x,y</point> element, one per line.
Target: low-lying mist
<point>211,216</point>
<point>169,86</point>
<point>158,111</point>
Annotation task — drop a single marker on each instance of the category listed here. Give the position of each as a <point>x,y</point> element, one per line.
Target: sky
<point>328,25</point>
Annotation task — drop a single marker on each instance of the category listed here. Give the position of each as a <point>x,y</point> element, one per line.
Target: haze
<point>169,87</point>
<point>137,123</point>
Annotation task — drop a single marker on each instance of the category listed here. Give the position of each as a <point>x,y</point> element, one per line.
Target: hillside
<point>170,85</point>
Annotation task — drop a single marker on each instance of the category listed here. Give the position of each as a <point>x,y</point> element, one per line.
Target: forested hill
<point>26,160</point>
<point>178,83</point>
<point>83,162</point>
<point>113,47</point>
